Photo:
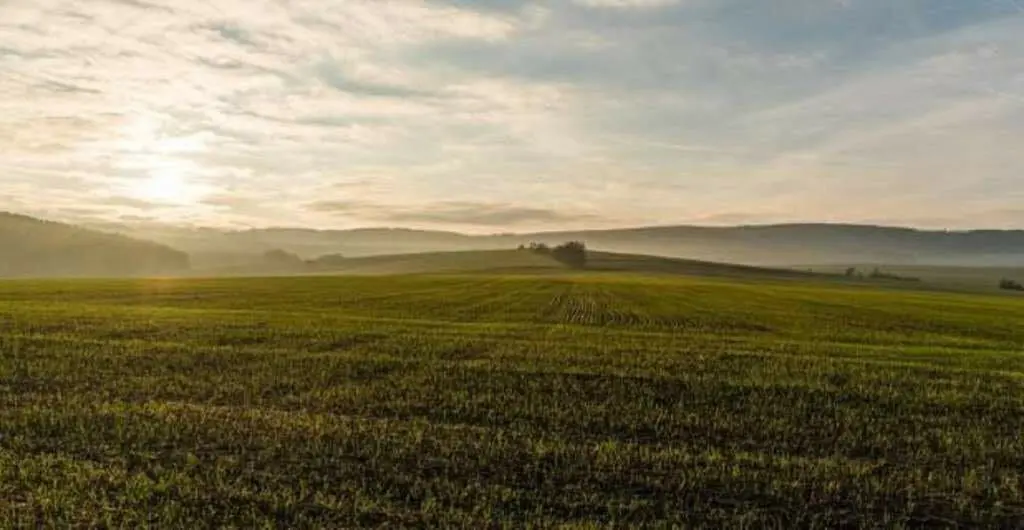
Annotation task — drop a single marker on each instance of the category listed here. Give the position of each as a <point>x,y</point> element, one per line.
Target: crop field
<point>481,401</point>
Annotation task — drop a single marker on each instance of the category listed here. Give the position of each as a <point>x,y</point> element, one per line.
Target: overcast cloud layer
<point>513,115</point>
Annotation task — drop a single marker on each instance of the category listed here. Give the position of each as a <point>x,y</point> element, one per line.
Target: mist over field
<point>778,245</point>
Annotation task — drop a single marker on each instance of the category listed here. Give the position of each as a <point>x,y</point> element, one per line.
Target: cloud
<point>128,218</point>
<point>496,113</point>
<point>333,74</point>
<point>452,213</point>
<point>617,4</point>
<point>130,202</point>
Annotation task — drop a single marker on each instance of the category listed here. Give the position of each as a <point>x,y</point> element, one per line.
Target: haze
<point>506,115</point>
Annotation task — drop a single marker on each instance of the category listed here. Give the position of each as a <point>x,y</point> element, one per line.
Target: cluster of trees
<point>1011,285</point>
<point>571,253</point>
<point>878,274</point>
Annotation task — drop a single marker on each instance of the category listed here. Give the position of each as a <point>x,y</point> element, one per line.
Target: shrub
<point>573,254</point>
<point>1010,285</point>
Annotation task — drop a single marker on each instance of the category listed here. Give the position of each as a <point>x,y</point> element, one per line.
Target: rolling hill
<point>36,248</point>
<point>768,245</point>
<point>509,262</point>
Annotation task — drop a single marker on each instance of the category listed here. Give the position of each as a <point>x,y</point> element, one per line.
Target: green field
<point>586,401</point>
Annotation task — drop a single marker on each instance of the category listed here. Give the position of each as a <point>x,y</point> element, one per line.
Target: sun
<point>166,187</point>
<point>160,166</point>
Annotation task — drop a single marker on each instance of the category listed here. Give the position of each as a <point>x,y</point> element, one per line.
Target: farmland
<point>569,400</point>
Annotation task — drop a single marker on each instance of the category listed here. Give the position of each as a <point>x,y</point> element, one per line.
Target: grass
<point>584,401</point>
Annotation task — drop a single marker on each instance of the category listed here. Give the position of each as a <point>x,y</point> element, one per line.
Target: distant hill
<point>34,248</point>
<point>774,245</point>
<point>211,247</point>
<point>813,244</point>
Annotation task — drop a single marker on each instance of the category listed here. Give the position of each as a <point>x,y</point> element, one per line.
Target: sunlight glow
<point>165,187</point>
<point>166,173</point>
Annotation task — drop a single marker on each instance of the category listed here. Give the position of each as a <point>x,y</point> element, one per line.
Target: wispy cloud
<point>513,113</point>
<point>627,3</point>
<point>454,213</point>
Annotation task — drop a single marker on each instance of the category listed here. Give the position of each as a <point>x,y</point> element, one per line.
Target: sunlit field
<point>484,401</point>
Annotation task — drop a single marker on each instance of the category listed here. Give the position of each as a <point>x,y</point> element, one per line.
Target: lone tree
<point>573,254</point>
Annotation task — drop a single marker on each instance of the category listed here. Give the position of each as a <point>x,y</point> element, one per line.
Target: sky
<point>505,115</point>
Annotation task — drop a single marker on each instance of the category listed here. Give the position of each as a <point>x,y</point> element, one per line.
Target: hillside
<point>444,262</point>
<point>774,245</point>
<point>36,248</point>
<point>508,262</point>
